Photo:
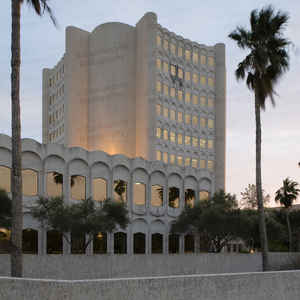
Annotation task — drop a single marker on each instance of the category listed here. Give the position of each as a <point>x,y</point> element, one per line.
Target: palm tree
<point>286,195</point>
<point>40,7</point>
<point>263,66</point>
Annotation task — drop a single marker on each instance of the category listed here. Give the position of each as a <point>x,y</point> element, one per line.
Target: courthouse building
<point>137,104</point>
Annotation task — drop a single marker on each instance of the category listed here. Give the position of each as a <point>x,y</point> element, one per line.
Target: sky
<point>206,22</point>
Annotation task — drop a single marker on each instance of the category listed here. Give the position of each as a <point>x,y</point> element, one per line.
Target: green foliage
<point>249,197</point>
<point>288,193</point>
<point>5,210</point>
<point>82,218</point>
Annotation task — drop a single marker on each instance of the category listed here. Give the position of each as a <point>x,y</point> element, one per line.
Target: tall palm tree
<point>266,62</point>
<point>286,195</point>
<point>40,7</point>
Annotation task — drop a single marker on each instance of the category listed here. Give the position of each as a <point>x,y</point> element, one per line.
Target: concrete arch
<point>31,160</point>
<point>5,157</point>
<point>139,225</point>
<point>78,153</point>
<point>205,184</point>
<point>190,182</point>
<point>5,141</point>
<point>31,146</point>
<point>78,166</point>
<point>100,170</point>
<point>158,226</point>
<point>140,175</point>
<point>99,157</point>
<point>158,177</point>
<point>121,172</point>
<point>55,163</point>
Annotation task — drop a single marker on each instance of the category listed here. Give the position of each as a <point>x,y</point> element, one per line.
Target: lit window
<point>158,155</point>
<point>166,67</point>
<point>203,101</point>
<point>172,158</point>
<point>195,99</point>
<point>210,164</point>
<point>195,78</point>
<point>174,194</point>
<point>187,118</point>
<point>203,195</point>
<point>172,114</point>
<point>158,63</point>
<point>166,134</point>
<point>30,182</point>
<point>166,90</point>
<point>139,193</point>
<point>179,117</point>
<point>180,73</point>
<point>187,55</point>
<point>202,164</point>
<point>211,61</point>
<point>5,179</point>
<point>78,186</point>
<point>120,190</point>
<point>187,76</point>
<point>172,137</point>
<point>202,122</point>
<point>194,163</point>
<point>202,143</point>
<point>195,141</point>
<point>179,160</point>
<point>203,80</point>
<point>187,161</point>
<point>179,138</point>
<point>187,97</point>
<point>195,121</point>
<point>166,112</point>
<point>180,95</point>
<point>211,82</point>
<point>195,57</point>
<point>172,92</point>
<point>187,140</point>
<point>166,45</point>
<point>158,86</point>
<point>210,102</point>
<point>158,132</point>
<point>158,109</point>
<point>203,59</point>
<point>210,123</point>
<point>157,192</point>
<point>180,51</point>
<point>165,157</point>
<point>210,144</point>
<point>173,70</point>
<point>99,189</point>
<point>173,48</point>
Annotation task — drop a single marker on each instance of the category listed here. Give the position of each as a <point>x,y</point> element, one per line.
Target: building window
<point>173,48</point>
<point>189,244</point>
<point>203,195</point>
<point>158,63</point>
<point>189,198</point>
<point>158,132</point>
<point>195,57</point>
<point>120,243</point>
<point>203,80</point>
<point>173,70</point>
<point>166,112</point>
<point>172,137</point>
<point>158,86</point>
<point>203,59</point>
<point>100,243</point>
<point>158,109</point>
<point>194,163</point>
<point>166,90</point>
<point>180,73</point>
<point>202,122</point>
<point>195,78</point>
<point>172,159</point>
<point>139,193</point>
<point>203,101</point>
<point>54,184</point>
<point>30,241</point>
<point>187,76</point>
<point>187,161</point>
<point>165,157</point>
<point>173,243</point>
<point>120,190</point>
<point>210,124</point>
<point>210,144</point>
<point>180,95</point>
<point>139,243</point>
<point>187,140</point>
<point>166,45</point>
<point>77,243</point>
<point>158,155</point>
<point>187,118</point>
<point>179,117</point>
<point>211,82</point>
<point>29,182</point>
<point>157,192</point>
<point>202,164</point>
<point>54,242</point>
<point>5,179</point>
<point>156,243</point>
<point>195,99</point>
<point>166,135</point>
<point>174,197</point>
<point>187,97</point>
<point>172,115</point>
<point>78,186</point>
<point>172,92</point>
<point>179,139</point>
<point>166,67</point>
<point>158,40</point>
<point>180,52</point>
<point>187,55</point>
<point>210,165</point>
<point>211,61</point>
<point>195,121</point>
<point>210,103</point>
<point>99,189</point>
<point>195,141</point>
<point>179,160</point>
<point>202,143</point>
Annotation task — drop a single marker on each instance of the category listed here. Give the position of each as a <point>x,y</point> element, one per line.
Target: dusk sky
<point>206,22</point>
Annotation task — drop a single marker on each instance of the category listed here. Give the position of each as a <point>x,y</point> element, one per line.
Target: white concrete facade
<point>104,95</point>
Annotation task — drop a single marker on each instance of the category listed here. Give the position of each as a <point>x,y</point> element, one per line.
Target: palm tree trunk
<point>289,229</point>
<point>260,204</point>
<point>16,174</point>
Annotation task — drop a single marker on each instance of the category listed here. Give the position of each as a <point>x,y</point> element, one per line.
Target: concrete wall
<point>258,286</point>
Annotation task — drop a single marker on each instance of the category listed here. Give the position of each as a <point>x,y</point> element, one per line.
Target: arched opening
<point>189,244</point>
<point>120,190</point>
<point>78,187</point>
<point>4,240</point>
<point>139,193</point>
<point>30,241</point>
<point>5,179</point>
<point>120,243</point>
<point>157,193</point>
<point>139,243</point>
<point>174,197</point>
<point>29,182</point>
<point>203,195</point>
<point>99,189</point>
<point>100,243</point>
<point>54,184</point>
<point>173,243</point>
<point>54,242</point>
<point>189,198</point>
<point>157,243</point>
<point>77,243</point>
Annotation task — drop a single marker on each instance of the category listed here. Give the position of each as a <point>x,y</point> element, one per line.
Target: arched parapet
<point>139,163</point>
<point>30,145</point>
<point>100,169</point>
<point>158,226</point>
<point>54,163</point>
<point>157,166</point>
<point>5,157</point>
<point>100,157</point>
<point>77,153</point>
<point>190,182</point>
<point>5,141</point>
<point>140,179</point>
<point>205,184</point>
<point>139,225</point>
<point>78,166</point>
<point>120,159</point>
<point>55,149</point>
<point>173,169</point>
<point>31,160</point>
<point>112,27</point>
<point>174,194</point>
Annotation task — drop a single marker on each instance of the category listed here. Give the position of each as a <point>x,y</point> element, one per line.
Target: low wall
<point>246,286</point>
<point>75,267</point>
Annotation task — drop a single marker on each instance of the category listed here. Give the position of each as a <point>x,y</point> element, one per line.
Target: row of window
<point>181,117</point>
<point>54,188</point>
<point>188,54</point>
<point>53,98</point>
<point>57,76</point>
<point>58,132</point>
<point>57,115</point>
<point>178,72</point>
<point>54,242</point>
<point>186,161</point>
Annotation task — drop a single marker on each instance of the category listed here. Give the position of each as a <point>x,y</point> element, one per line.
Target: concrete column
<point>197,243</point>
<point>66,245</point>
<point>110,246</point>
<point>166,243</point>
<point>149,242</point>
<point>181,244</point>
<point>129,240</point>
<point>89,249</point>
